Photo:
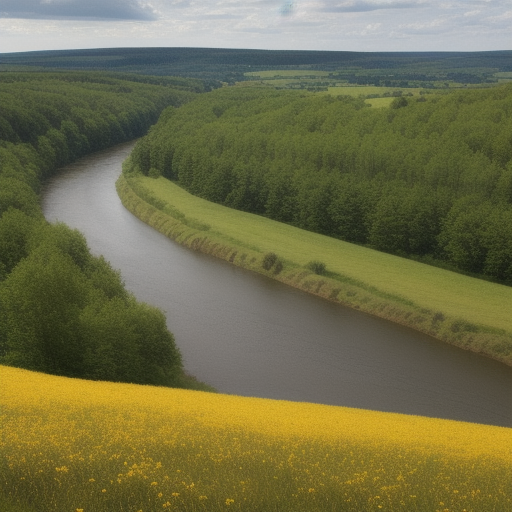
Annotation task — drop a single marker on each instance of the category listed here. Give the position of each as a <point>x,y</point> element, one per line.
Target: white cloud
<point>369,5</point>
<point>77,9</point>
<point>355,25</point>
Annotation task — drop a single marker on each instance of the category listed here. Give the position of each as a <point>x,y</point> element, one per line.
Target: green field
<point>453,294</point>
<point>325,83</point>
<point>365,90</point>
<point>379,102</point>
<point>287,73</point>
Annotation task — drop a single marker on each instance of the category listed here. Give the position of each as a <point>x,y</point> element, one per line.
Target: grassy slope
<point>471,299</point>
<point>71,444</point>
<point>401,290</point>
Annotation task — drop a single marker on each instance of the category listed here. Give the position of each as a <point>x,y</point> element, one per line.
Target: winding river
<point>245,334</point>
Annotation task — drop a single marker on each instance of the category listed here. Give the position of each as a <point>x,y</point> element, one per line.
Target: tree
<point>19,195</point>
<point>497,240</point>
<point>127,341</point>
<point>40,301</point>
<point>16,229</point>
<point>461,235</point>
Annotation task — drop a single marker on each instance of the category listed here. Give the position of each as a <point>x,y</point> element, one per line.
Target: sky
<point>342,25</point>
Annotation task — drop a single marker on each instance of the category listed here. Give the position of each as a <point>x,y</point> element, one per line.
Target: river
<point>248,335</point>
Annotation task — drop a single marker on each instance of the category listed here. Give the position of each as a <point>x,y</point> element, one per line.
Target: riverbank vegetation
<point>467,312</point>
<point>81,445</point>
<point>431,185</point>
<point>62,310</point>
<point>429,180</point>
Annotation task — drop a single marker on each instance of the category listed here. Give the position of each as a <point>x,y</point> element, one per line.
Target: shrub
<point>317,267</point>
<point>278,268</point>
<point>268,260</point>
<point>154,173</point>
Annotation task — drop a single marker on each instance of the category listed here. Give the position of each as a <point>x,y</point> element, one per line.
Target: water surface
<point>248,335</point>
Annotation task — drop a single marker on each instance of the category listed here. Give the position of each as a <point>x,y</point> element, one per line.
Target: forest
<point>62,310</point>
<point>216,65</point>
<point>429,178</point>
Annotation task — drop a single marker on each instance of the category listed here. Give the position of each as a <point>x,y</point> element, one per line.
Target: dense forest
<point>429,178</point>
<point>62,310</point>
<point>212,65</point>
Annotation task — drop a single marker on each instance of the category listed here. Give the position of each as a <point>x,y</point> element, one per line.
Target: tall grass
<point>69,445</point>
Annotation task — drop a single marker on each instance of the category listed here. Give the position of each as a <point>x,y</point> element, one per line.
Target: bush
<point>154,173</point>
<point>268,260</point>
<point>317,267</point>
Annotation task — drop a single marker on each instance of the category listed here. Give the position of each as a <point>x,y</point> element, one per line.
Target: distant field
<point>289,83</point>
<point>379,102</point>
<point>287,73</point>
<point>470,299</point>
<point>295,79</point>
<point>504,74</point>
<point>74,445</point>
<point>364,90</point>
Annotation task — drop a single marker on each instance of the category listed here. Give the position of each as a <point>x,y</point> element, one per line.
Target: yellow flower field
<point>71,445</point>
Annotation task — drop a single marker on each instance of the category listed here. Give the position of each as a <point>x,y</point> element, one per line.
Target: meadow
<point>472,300</point>
<point>72,445</point>
<point>287,73</point>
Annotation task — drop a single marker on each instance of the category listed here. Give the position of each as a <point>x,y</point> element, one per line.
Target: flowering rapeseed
<point>72,445</point>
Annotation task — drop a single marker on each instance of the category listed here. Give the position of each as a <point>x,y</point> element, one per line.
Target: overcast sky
<point>353,25</point>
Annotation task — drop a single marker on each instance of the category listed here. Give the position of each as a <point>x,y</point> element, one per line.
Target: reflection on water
<point>248,335</point>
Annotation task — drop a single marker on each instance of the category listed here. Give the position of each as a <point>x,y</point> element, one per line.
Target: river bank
<point>144,198</point>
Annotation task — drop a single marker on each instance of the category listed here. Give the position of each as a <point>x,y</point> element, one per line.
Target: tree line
<point>428,178</point>
<point>62,310</point>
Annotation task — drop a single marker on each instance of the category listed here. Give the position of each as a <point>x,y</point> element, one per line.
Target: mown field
<point>305,78</point>
<point>74,445</point>
<point>471,299</point>
<point>286,73</point>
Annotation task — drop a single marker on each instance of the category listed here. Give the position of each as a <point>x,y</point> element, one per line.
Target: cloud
<point>369,5</point>
<point>78,9</point>
<point>352,25</point>
<point>287,9</point>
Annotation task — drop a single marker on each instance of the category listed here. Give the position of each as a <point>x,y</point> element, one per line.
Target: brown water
<point>248,335</point>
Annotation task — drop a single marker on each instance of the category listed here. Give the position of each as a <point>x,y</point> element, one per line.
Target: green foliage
<point>422,181</point>
<point>62,310</point>
<point>425,298</point>
<point>68,313</point>
<point>269,260</point>
<point>16,229</point>
<point>127,341</point>
<point>41,301</point>
<point>154,173</point>
<point>304,69</point>
<point>68,241</point>
<point>399,102</point>
<point>317,267</point>
<point>18,195</point>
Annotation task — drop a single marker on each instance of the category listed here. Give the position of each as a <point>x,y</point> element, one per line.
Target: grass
<point>302,78</point>
<point>74,445</point>
<point>379,102</point>
<point>471,299</point>
<point>466,312</point>
<point>365,90</point>
<point>287,73</point>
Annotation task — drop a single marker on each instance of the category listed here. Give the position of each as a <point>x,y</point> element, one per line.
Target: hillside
<point>79,445</point>
<point>431,69</point>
